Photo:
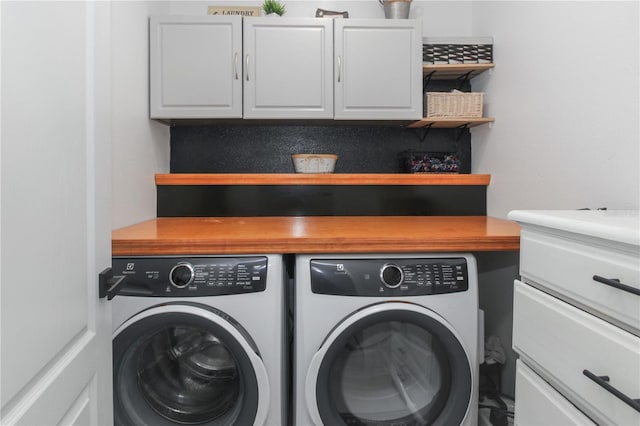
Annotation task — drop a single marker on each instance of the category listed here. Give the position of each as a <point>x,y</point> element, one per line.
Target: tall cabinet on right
<point>576,325</point>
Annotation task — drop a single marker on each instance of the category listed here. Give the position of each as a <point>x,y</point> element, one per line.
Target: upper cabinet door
<point>288,68</point>
<point>378,69</point>
<point>195,66</point>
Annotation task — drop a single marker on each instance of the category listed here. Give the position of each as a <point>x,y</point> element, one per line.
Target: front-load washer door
<point>184,363</point>
<point>391,363</point>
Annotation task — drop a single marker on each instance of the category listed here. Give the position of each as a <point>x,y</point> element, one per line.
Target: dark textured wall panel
<point>248,148</point>
<point>320,200</point>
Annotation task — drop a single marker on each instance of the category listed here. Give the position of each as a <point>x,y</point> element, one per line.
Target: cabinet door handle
<point>603,381</point>
<point>339,68</point>
<point>235,64</point>
<point>246,63</point>
<point>614,282</point>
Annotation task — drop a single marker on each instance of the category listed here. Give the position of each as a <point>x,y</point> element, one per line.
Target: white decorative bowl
<point>314,163</point>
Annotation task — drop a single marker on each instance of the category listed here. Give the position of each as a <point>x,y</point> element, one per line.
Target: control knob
<point>181,275</point>
<point>391,275</point>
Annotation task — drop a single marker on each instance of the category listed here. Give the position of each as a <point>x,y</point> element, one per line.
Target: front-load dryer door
<point>183,363</point>
<point>391,363</point>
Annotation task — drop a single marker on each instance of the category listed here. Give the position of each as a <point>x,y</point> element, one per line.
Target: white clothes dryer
<point>199,340</point>
<point>386,340</point>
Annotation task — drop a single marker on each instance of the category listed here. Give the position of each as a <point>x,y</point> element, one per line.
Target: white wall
<point>140,146</point>
<point>565,96</point>
<point>441,18</point>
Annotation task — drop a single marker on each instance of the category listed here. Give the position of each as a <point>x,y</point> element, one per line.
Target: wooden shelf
<point>453,71</point>
<point>450,123</point>
<point>321,179</point>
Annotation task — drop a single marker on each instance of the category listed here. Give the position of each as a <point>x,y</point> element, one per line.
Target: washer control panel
<point>191,276</point>
<point>389,277</point>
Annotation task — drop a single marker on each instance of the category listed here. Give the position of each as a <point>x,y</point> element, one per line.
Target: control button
<point>391,275</point>
<point>181,275</point>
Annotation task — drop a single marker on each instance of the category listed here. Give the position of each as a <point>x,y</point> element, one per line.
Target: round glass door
<point>177,366</point>
<point>391,367</point>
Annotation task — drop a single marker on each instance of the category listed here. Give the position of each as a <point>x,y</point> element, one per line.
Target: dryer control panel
<point>191,276</point>
<point>389,277</point>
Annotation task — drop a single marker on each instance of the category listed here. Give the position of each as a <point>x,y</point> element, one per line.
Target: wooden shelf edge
<point>447,71</point>
<point>320,179</point>
<point>149,248</point>
<point>450,123</point>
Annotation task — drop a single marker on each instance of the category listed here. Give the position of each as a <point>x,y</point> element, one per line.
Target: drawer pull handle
<point>614,282</point>
<point>603,381</point>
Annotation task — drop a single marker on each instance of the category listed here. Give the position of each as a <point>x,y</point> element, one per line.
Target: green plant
<point>273,6</point>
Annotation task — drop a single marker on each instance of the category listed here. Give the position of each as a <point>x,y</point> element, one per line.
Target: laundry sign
<point>235,10</point>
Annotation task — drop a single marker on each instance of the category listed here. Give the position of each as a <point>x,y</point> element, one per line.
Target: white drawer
<point>560,341</point>
<point>537,403</point>
<point>565,265</point>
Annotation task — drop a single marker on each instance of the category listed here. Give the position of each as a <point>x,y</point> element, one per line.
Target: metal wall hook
<point>422,132</point>
<point>426,79</point>
<point>461,130</point>
<point>463,80</point>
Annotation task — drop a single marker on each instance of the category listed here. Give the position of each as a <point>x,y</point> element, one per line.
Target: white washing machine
<point>199,340</point>
<point>386,340</point>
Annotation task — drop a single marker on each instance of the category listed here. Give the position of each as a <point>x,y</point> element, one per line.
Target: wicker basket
<point>453,104</point>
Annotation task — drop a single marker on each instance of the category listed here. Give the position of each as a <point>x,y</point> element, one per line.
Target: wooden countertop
<point>315,234</point>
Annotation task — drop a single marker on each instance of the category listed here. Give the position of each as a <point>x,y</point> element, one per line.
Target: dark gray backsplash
<point>267,148</point>
<point>321,200</point>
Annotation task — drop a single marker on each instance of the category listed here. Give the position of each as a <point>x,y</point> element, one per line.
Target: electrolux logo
<point>130,268</point>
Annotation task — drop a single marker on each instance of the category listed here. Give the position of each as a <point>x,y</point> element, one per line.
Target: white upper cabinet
<point>285,68</point>
<point>195,67</point>
<point>378,69</point>
<point>288,68</point>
